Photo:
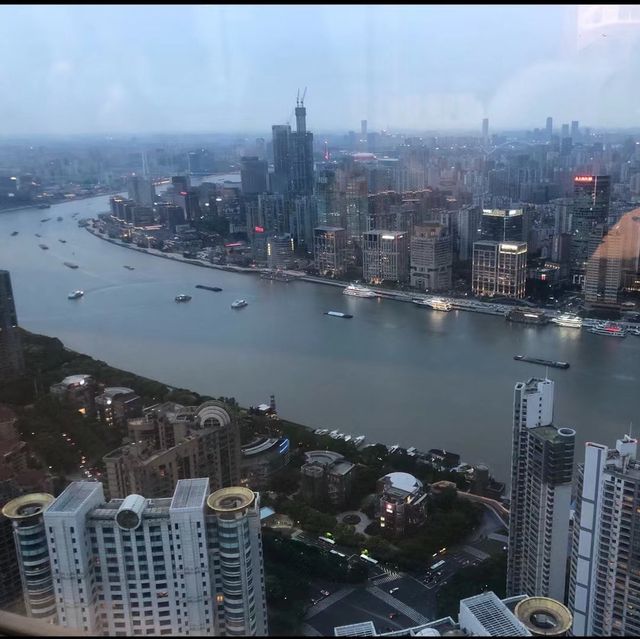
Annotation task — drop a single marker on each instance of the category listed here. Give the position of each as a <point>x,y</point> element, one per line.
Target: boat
<point>440,305</point>
<point>334,433</point>
<point>70,264</point>
<point>278,276</point>
<point>44,206</point>
<point>46,219</point>
<point>359,440</point>
<point>38,235</point>
<point>526,316</point>
<point>182,298</point>
<point>217,289</point>
<point>338,314</point>
<point>610,329</point>
<point>320,431</point>
<point>393,449</point>
<point>14,234</point>
<point>129,268</point>
<point>357,290</point>
<point>542,362</point>
<point>421,302</point>
<point>44,247</point>
<point>59,218</point>
<point>75,295</point>
<point>347,438</point>
<point>568,320</point>
<point>239,304</point>
<point>62,241</point>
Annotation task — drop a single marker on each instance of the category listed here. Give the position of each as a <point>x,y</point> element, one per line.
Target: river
<point>395,372</point>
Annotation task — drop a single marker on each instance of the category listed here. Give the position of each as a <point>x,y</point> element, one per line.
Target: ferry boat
<point>543,362</point>
<point>129,268</point>
<point>44,247</point>
<point>357,290</point>
<point>182,298</point>
<point>75,295</point>
<point>14,234</point>
<point>568,320</point>
<point>217,289</point>
<point>70,264</point>
<point>338,314</point>
<point>526,316</point>
<point>440,305</point>
<point>239,304</point>
<point>611,329</point>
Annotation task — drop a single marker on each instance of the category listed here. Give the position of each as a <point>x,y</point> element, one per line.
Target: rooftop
<point>114,391</point>
<point>403,481</point>
<point>552,434</point>
<point>74,496</point>
<point>493,615</point>
<point>190,493</point>
<point>75,379</point>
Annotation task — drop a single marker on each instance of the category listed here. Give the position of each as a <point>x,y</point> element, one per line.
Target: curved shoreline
<point>472,306</point>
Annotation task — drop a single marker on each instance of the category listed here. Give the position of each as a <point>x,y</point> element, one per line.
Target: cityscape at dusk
<point>319,320</point>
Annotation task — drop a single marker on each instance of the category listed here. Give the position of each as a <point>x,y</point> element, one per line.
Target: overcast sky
<point>196,68</point>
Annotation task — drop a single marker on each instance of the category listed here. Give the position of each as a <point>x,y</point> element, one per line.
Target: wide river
<point>395,373</point>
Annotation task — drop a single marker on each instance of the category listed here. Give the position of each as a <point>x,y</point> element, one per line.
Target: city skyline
<point>222,64</point>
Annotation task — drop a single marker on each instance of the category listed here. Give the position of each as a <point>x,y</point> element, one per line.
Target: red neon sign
<point>259,229</point>
<point>583,178</point>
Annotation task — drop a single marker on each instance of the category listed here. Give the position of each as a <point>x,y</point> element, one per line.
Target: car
<point>393,615</point>
<point>394,590</point>
<point>326,593</point>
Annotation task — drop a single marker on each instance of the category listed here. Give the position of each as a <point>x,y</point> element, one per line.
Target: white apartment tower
<point>541,473</point>
<point>169,566</point>
<point>604,583</point>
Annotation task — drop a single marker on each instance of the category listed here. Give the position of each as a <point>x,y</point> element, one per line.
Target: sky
<point>120,69</point>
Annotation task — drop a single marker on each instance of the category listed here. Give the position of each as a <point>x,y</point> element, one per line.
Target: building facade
<point>541,479</point>
<point>401,504</point>
<point>116,404</point>
<point>604,582</point>
<point>431,258</point>
<point>385,257</point>
<point>326,476</point>
<point>499,268</point>
<point>329,250</point>
<point>502,225</point>
<point>603,276</point>
<point>261,458</point>
<point>190,564</point>
<point>253,175</point>
<point>174,442</point>
<point>11,355</point>
<point>78,391</point>
<point>280,251</point>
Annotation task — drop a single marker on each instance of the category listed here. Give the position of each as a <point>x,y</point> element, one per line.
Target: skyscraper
<point>253,174</point>
<point>549,127</point>
<point>280,180</point>
<point>499,268</point>
<point>485,129</point>
<point>329,248</point>
<point>11,355</point>
<point>541,473</point>
<point>385,256</point>
<point>575,130</point>
<point>301,154</point>
<point>591,195</point>
<point>603,586</point>
<point>190,564</point>
<point>603,275</point>
<point>141,190</point>
<point>503,225</point>
<point>431,257</point>
<point>30,537</point>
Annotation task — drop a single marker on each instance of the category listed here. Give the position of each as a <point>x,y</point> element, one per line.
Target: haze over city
<point>197,68</point>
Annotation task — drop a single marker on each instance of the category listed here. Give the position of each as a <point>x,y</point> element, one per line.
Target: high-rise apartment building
<point>541,474</point>
<point>485,129</point>
<point>173,442</point>
<point>30,537</point>
<point>499,268</point>
<point>591,195</point>
<point>431,257</point>
<point>549,127</point>
<point>604,583</point>
<point>469,220</point>
<point>253,175</point>
<point>11,355</point>
<point>190,564</point>
<point>385,256</point>
<point>329,250</point>
<point>141,190</point>
<point>502,225</point>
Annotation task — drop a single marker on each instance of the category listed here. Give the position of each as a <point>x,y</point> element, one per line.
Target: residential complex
<point>326,476</point>
<point>190,564</point>
<point>541,476</point>
<point>173,442</point>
